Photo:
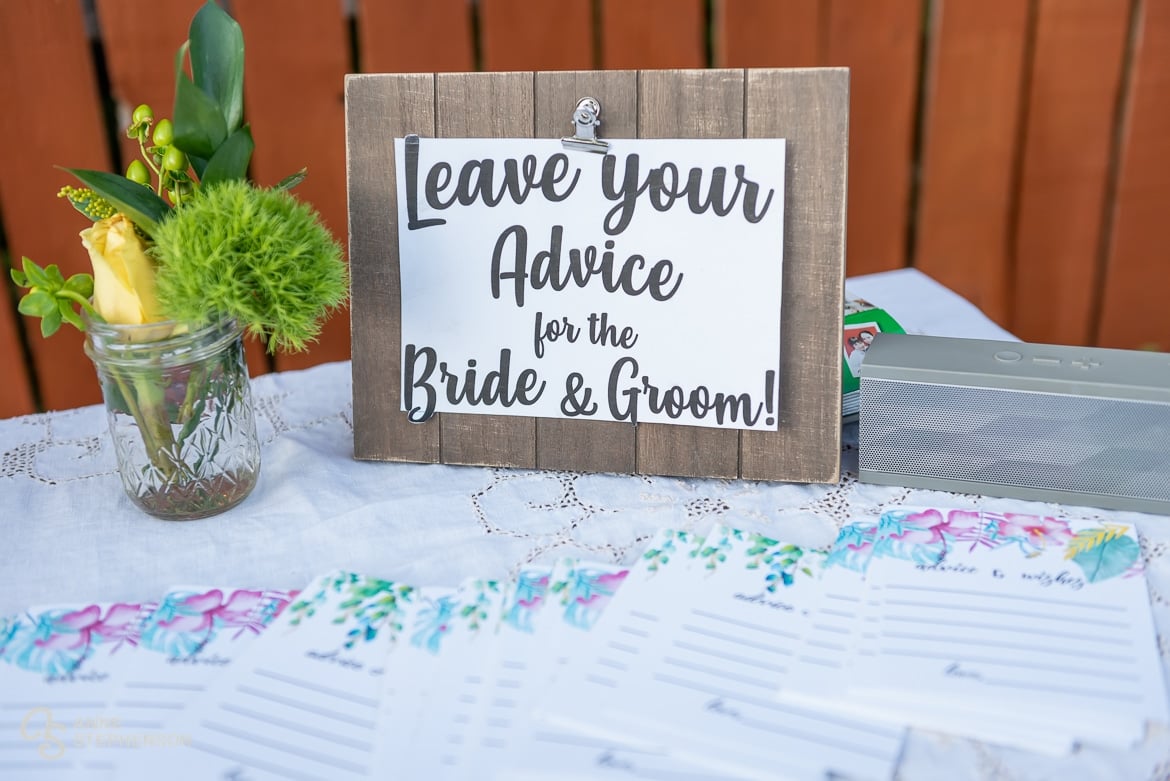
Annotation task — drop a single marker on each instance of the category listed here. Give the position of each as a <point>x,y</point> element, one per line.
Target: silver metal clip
<point>586,118</point>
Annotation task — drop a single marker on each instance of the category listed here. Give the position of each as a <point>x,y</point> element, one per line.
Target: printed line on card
<point>298,704</point>
<point>294,726</point>
<point>326,690</point>
<point>332,761</point>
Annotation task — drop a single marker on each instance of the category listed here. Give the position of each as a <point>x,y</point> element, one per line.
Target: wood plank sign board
<point>668,304</point>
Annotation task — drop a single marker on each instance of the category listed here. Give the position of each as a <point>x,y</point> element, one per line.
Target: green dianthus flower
<point>258,255</point>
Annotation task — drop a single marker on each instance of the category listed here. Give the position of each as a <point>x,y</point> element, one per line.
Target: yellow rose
<point>123,276</point>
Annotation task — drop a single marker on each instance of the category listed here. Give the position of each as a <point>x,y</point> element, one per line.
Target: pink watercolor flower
<point>601,586</point>
<point>72,630</point>
<point>920,528</point>
<point>1031,531</point>
<point>240,609</point>
<point>122,623</point>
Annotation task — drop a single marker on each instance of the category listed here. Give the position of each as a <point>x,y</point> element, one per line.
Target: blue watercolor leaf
<point>1109,559</point>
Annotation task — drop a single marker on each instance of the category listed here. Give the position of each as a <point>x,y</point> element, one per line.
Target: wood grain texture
<point>486,105</point>
<point>970,131</point>
<point>1006,171</point>
<point>1065,176</point>
<point>1133,311</point>
<point>878,40</point>
<point>766,33</point>
<point>522,35</point>
<point>301,45</point>
<point>652,34</point>
<point>689,104</point>
<point>16,393</point>
<point>809,108</point>
<point>52,116</point>
<point>407,36</point>
<point>379,109</point>
<point>591,446</point>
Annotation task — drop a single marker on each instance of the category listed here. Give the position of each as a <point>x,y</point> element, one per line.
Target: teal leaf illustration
<point>1109,559</point>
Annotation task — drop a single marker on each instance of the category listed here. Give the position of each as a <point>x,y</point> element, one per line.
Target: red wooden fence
<point>1016,150</point>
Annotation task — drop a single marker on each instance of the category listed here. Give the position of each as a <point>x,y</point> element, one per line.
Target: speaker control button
<point>1046,360</point>
<point>1008,356</point>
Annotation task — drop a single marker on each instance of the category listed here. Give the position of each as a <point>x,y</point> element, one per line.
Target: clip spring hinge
<point>586,118</point>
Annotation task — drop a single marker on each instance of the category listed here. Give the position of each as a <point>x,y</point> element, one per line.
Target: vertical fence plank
<point>498,105</point>
<point>810,110</point>
<point>879,41</point>
<point>522,35</point>
<point>766,33</point>
<point>51,117</point>
<point>593,446</point>
<point>971,122</point>
<point>1064,179</point>
<point>1133,312</point>
<point>653,34</point>
<point>379,109</point>
<point>297,55</point>
<point>408,36</point>
<point>16,397</point>
<point>694,104</point>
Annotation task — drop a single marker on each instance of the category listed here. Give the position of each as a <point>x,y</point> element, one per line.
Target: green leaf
<point>180,58</point>
<point>50,323</point>
<point>38,303</point>
<point>217,61</point>
<point>69,314</point>
<point>56,278</point>
<point>199,125</point>
<point>19,277</point>
<point>1109,559</point>
<point>292,180</point>
<point>36,275</point>
<point>231,160</point>
<point>81,284</point>
<point>198,163</point>
<point>141,205</point>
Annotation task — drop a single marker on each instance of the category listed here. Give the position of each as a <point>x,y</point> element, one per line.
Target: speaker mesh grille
<point>1038,440</point>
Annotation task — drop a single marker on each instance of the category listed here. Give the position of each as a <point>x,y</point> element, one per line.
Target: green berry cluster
<point>88,202</point>
<point>169,163</point>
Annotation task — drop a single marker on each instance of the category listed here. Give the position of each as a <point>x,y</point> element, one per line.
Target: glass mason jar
<point>180,413</point>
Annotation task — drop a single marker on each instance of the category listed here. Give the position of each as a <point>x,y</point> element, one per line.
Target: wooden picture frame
<point>807,107</point>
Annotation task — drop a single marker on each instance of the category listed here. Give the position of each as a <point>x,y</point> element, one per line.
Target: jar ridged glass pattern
<point>180,414</point>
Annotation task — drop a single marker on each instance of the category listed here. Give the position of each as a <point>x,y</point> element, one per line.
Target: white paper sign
<point>638,286</point>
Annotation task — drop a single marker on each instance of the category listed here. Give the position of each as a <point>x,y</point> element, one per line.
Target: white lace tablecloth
<point>70,535</point>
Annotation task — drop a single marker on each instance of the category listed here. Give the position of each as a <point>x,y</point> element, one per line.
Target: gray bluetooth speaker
<point>1074,425</point>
